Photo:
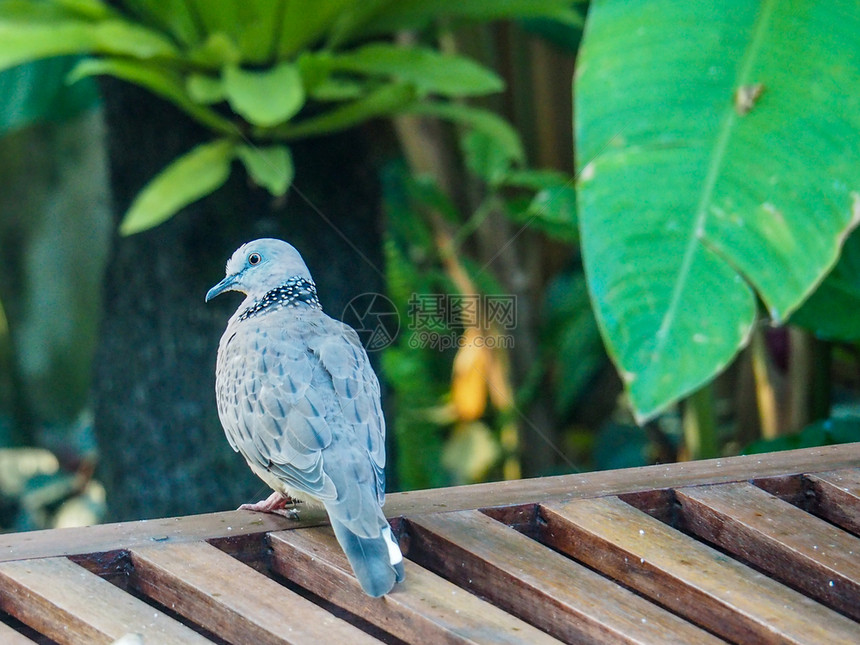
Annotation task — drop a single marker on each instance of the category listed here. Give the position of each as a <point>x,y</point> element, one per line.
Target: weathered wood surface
<point>760,549</point>
<point>793,546</point>
<point>692,579</point>
<point>837,496</point>
<point>425,609</point>
<point>69,604</point>
<point>234,601</point>
<point>541,586</point>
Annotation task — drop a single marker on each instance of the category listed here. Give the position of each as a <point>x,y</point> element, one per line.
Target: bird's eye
<point>254,258</point>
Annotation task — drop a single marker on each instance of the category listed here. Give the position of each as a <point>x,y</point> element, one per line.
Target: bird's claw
<point>291,513</point>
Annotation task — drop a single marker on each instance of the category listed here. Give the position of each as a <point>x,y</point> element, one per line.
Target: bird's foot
<point>274,503</point>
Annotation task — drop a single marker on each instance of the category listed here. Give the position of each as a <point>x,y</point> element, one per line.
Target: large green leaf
<point>717,143</point>
<point>188,178</point>
<point>264,98</point>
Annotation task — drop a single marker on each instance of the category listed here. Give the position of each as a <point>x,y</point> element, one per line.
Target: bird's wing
<point>357,392</point>
<point>272,413</point>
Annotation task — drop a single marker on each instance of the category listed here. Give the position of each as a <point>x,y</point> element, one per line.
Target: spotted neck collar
<point>295,292</point>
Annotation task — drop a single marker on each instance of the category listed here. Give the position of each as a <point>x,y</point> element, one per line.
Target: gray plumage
<point>299,400</point>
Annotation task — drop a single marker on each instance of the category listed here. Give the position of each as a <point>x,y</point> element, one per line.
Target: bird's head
<point>260,266</point>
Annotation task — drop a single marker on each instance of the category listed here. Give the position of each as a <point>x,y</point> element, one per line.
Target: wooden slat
<point>9,636</point>
<point>790,544</point>
<point>69,604</point>
<point>112,537</point>
<point>423,609</point>
<point>85,540</point>
<point>689,577</point>
<point>837,497</point>
<point>542,587</point>
<point>627,480</point>
<point>233,600</point>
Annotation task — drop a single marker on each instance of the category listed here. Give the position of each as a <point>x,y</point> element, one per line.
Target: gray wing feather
<point>357,389</point>
<point>302,401</point>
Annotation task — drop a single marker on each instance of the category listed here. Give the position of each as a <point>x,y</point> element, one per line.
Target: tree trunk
<point>162,448</point>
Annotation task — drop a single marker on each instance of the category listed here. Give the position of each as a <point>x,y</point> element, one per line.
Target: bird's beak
<point>225,285</point>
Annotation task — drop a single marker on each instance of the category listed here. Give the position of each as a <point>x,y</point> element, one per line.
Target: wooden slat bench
<point>755,549</point>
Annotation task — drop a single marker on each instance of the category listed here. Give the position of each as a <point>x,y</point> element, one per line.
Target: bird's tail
<point>376,561</point>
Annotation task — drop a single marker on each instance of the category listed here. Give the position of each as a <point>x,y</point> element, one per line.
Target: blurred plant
<point>259,73</point>
<point>432,251</point>
<point>821,433</point>
<point>41,489</point>
<point>45,359</point>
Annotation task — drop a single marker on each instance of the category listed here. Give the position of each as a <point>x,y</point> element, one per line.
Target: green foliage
<point>822,433</point>
<point>717,146</point>
<point>416,14</point>
<point>620,446</point>
<point>553,211</point>
<point>491,125</point>
<point>417,374</point>
<point>34,30</point>
<point>383,101</point>
<point>262,70</point>
<point>571,347</point>
<point>427,70</point>
<point>470,448</point>
<point>39,491</point>
<point>550,206</point>
<point>831,311</point>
